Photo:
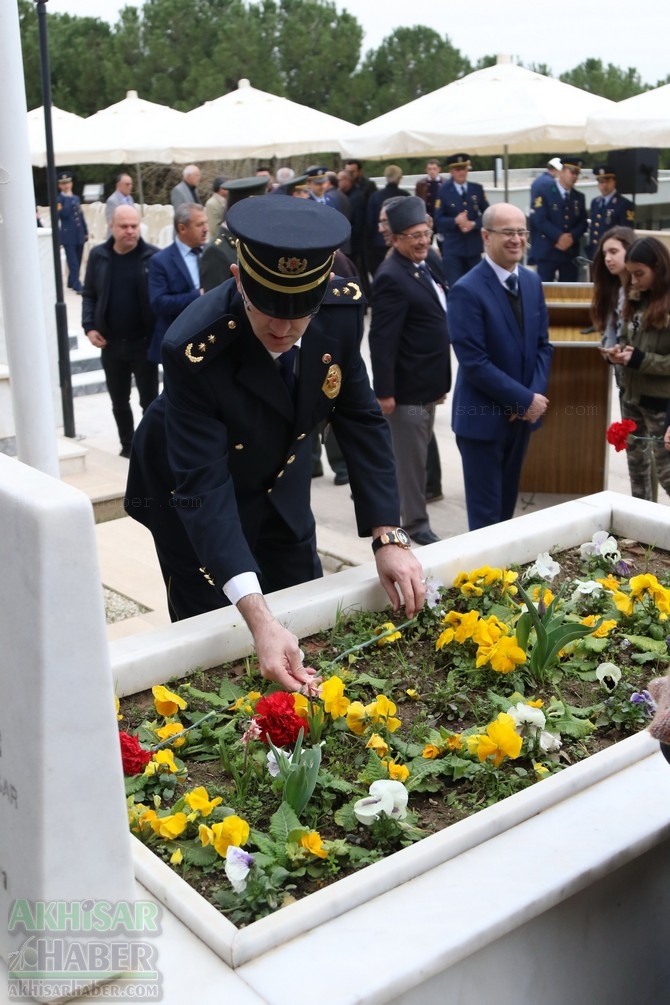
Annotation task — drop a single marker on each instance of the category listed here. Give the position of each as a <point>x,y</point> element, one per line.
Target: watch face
<point>402,537</point>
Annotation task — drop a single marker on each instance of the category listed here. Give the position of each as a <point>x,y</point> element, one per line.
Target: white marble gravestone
<point>63,827</point>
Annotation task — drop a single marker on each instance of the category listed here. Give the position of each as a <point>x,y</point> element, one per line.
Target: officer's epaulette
<point>345,291</point>
<point>204,346</point>
<point>538,202</point>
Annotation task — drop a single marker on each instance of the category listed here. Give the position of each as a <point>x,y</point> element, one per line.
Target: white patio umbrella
<point>68,133</point>
<point>252,123</point>
<point>131,131</point>
<point>502,108</point>
<point>641,121</point>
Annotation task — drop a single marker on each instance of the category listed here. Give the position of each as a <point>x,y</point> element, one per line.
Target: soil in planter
<point>441,698</point>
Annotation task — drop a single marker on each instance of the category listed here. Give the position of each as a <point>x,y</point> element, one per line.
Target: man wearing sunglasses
<point>559,223</point>
<point>499,330</point>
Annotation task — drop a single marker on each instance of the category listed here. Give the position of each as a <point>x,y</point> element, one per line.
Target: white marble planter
<point>556,894</point>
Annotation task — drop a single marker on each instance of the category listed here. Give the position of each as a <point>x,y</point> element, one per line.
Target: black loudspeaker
<point>636,170</point>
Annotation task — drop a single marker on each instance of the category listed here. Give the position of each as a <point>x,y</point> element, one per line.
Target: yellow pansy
<point>471,590</point>
<point>398,772</point>
<point>431,751</point>
<point>609,582</point>
<point>357,717</point>
<point>603,630</point>
<point>464,624</point>
<point>137,816</point>
<point>623,602</point>
<point>388,626</point>
<point>542,593</point>
<point>461,578</point>
<point>378,744</point>
<point>161,759</point>
<point>506,654</point>
<point>501,740</point>
<point>171,729</point>
<point>167,702</point>
<point>177,857</point>
<point>334,701</point>
<point>454,741</point>
<point>231,831</point>
<point>645,583</point>
<point>198,799</point>
<point>245,703</point>
<point>169,827</point>
<point>117,706</point>
<point>539,769</point>
<point>314,845</point>
<point>382,709</point>
<point>412,693</point>
<point>487,631</point>
<point>535,703</point>
<point>300,705</point>
<point>445,638</point>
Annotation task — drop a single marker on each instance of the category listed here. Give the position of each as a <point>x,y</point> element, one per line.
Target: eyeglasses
<point>419,235</point>
<point>508,232</point>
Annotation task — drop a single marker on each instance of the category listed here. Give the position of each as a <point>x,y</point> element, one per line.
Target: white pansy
<point>273,767</point>
<point>549,741</point>
<point>608,674</point>
<point>238,864</point>
<point>432,592</point>
<point>544,566</point>
<point>585,588</point>
<point>601,543</point>
<point>527,718</point>
<point>386,796</point>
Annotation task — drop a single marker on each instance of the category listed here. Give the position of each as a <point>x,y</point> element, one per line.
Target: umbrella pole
<point>506,171</point>
<point>139,188</point>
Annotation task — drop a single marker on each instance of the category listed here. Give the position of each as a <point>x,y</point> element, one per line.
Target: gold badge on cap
<point>333,382</point>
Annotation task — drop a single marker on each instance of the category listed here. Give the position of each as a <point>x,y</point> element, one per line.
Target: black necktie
<point>287,368</point>
<point>512,284</point>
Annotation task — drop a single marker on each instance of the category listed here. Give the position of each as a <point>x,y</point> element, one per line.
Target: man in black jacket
<point>117,318</point>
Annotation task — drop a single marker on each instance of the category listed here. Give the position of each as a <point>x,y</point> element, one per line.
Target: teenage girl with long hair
<point>643,352</point>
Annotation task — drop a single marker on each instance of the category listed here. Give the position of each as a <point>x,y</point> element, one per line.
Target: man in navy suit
<point>174,273</point>
<point>220,468</point>
<point>608,209</point>
<point>458,218</point>
<point>559,222</point>
<point>73,229</point>
<point>498,327</point>
<point>409,348</point>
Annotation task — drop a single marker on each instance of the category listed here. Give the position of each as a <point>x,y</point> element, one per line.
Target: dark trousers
<point>456,266</point>
<point>433,469</point>
<point>73,256</point>
<point>122,361</point>
<point>283,559</point>
<point>567,271</point>
<point>491,472</point>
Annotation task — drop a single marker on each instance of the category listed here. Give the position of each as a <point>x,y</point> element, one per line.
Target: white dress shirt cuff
<point>241,586</point>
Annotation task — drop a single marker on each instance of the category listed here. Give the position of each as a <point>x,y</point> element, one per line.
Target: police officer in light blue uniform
<point>73,229</point>
<point>608,209</point>
<point>559,224</point>
<point>458,218</point>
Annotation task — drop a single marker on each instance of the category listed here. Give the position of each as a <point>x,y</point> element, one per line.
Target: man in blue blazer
<point>458,218</point>
<point>559,223</point>
<point>174,273</point>
<point>498,327</point>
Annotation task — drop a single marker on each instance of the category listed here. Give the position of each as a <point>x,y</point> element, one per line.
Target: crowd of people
<point>256,311</point>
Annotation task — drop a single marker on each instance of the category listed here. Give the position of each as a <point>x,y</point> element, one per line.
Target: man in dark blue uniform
<point>458,219</point>
<point>559,223</point>
<point>608,209</point>
<point>554,165</point>
<point>73,229</point>
<point>428,188</point>
<point>220,466</point>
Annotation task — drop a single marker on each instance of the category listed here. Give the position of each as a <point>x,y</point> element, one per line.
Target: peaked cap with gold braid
<point>285,251</point>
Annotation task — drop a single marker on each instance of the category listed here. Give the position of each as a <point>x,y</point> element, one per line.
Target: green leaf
<point>209,697</point>
<point>282,822</point>
<point>523,627</point>
<point>135,784</point>
<point>647,645</point>
<point>379,683</point>
<point>229,692</point>
<point>346,818</point>
<point>196,855</point>
<point>264,843</point>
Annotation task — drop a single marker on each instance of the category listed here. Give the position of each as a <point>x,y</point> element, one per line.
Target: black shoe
<point>425,537</point>
<point>434,497</point>
<point>124,452</point>
<point>341,478</point>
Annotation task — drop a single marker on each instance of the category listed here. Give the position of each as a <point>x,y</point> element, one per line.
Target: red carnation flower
<point>618,433</point>
<point>276,718</point>
<point>133,756</point>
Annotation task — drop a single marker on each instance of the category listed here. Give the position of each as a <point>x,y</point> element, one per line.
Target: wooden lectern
<point>568,454</point>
